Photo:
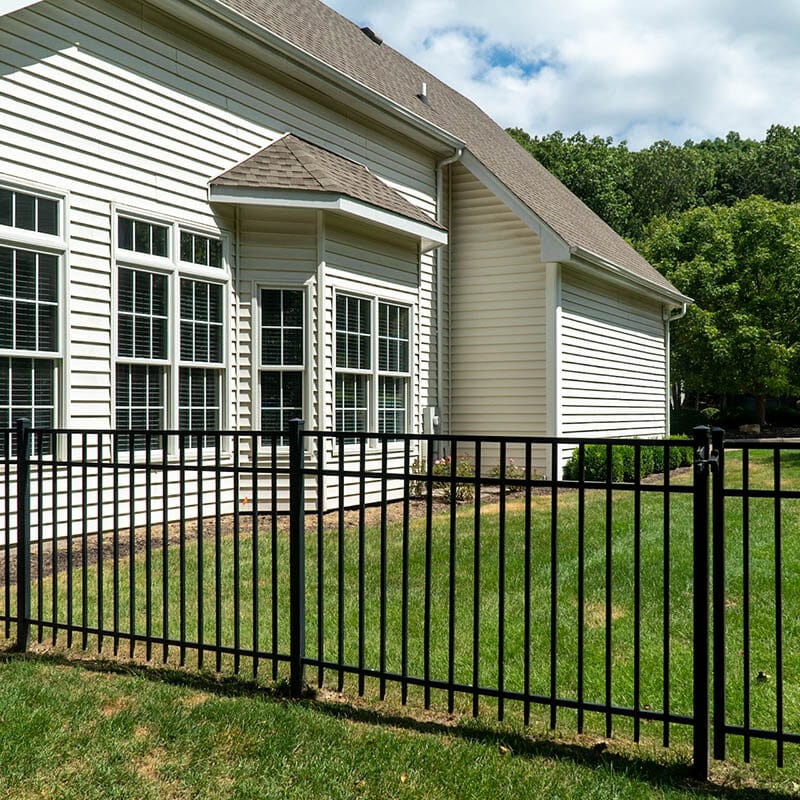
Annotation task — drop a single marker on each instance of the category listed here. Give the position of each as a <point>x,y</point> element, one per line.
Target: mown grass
<point>98,729</point>
<point>343,551</point>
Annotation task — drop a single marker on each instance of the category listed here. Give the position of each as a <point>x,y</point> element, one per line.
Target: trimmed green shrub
<point>623,461</point>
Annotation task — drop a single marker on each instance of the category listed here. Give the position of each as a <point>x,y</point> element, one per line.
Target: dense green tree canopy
<point>741,264</point>
<point>629,188</point>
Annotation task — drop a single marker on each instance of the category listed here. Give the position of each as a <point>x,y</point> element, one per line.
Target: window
<point>170,332</point>
<point>29,317</point>
<point>372,382</point>
<point>282,357</point>
<point>202,250</point>
<point>393,368</point>
<point>142,302</point>
<point>143,237</point>
<point>28,212</point>
<point>199,390</point>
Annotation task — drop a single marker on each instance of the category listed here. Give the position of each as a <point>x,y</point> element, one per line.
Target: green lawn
<point>96,729</point>
<point>507,532</point>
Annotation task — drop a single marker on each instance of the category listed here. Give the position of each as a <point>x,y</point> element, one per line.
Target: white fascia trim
<point>316,65</point>
<point>555,249</point>
<point>10,6</point>
<point>430,235</point>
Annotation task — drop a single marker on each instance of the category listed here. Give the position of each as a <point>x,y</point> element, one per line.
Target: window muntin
<point>372,365</point>
<point>282,357</point>
<point>143,237</point>
<point>204,251</point>
<point>28,300</point>
<point>142,318</point>
<point>29,212</point>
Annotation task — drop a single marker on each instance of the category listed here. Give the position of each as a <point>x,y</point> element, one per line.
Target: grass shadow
<point>590,754</point>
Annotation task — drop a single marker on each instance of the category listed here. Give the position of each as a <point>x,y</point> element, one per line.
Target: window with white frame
<point>200,377</point>
<point>282,357</point>
<point>142,353</point>
<point>170,332</point>
<point>31,253</point>
<point>372,365</point>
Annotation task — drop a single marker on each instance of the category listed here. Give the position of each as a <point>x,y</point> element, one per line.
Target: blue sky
<point>683,69</point>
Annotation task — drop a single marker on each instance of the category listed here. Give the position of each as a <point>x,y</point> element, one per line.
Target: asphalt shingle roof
<point>293,163</point>
<point>317,29</point>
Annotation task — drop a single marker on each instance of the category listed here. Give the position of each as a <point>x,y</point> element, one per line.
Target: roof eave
<point>430,236</point>
<point>581,257</point>
<point>315,65</point>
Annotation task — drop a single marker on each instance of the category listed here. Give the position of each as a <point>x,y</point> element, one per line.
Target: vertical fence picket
<point>297,557</point>
<point>23,534</point>
<point>700,612</point>
<point>719,593</point>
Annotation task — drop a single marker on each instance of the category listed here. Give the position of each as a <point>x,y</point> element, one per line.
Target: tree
<point>742,267</point>
<point>596,170</point>
<point>667,179</point>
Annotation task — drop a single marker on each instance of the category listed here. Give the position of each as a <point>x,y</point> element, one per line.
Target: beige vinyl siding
<point>497,317</point>
<point>612,361</point>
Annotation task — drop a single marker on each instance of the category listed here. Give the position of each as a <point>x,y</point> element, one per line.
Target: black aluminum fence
<point>456,572</point>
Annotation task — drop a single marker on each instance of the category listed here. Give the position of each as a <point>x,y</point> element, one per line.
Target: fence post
<point>718,583</point>
<point>700,613</point>
<point>23,534</point>
<point>297,558</point>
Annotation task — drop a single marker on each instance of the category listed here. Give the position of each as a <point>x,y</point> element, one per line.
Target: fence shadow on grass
<point>591,754</point>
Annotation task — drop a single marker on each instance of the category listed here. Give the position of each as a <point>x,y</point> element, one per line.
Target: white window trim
<point>173,268</point>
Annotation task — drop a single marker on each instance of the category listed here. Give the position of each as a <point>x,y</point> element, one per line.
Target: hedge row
<point>623,460</point>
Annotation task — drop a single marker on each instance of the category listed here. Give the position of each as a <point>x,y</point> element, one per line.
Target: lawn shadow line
<point>592,754</point>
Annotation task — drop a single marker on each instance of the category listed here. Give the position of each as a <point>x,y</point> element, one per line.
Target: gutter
<point>670,316</point>
<point>456,156</point>
<point>330,73</point>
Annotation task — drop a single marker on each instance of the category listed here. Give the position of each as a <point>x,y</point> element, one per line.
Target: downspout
<point>457,154</point>
<point>670,316</point>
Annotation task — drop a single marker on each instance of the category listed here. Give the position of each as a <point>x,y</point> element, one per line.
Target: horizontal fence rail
<point>563,580</point>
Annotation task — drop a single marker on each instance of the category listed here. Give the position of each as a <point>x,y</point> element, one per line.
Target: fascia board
<point>430,235</point>
<point>311,66</point>
<point>10,6</point>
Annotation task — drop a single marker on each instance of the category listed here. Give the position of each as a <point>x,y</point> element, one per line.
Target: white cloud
<point>673,70</point>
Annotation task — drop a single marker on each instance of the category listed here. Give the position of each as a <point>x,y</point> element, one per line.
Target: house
<point>227,213</point>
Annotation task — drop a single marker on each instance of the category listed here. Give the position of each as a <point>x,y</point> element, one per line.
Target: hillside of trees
<point>721,219</point>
